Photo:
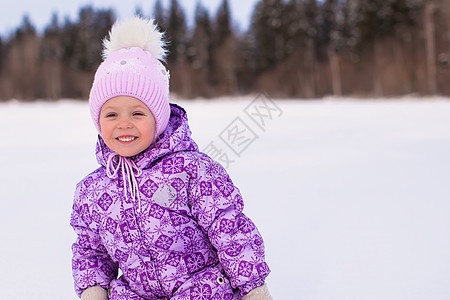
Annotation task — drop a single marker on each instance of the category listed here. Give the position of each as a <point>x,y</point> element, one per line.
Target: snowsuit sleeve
<point>217,206</point>
<point>91,264</point>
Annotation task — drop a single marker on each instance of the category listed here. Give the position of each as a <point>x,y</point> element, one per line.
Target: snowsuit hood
<point>187,238</point>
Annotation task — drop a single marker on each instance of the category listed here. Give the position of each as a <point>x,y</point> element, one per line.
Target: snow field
<point>351,196</point>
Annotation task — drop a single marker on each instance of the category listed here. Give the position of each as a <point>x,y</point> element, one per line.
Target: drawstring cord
<point>129,173</point>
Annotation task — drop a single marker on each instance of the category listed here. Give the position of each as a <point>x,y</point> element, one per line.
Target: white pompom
<point>135,32</point>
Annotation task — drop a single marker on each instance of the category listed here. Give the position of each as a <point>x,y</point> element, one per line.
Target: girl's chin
<point>127,150</point>
<point>127,153</point>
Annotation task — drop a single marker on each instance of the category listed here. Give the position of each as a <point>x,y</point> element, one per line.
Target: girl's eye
<point>111,115</point>
<point>138,113</point>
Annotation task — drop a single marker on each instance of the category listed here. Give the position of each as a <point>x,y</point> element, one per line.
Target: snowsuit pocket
<point>210,283</point>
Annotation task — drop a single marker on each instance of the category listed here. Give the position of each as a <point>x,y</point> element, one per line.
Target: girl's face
<point>127,126</point>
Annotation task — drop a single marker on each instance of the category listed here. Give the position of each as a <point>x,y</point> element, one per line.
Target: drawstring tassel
<point>129,173</point>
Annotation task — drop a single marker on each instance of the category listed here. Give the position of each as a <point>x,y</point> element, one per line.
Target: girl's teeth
<point>126,139</point>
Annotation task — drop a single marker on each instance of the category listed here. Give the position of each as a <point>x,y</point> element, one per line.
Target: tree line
<point>292,48</point>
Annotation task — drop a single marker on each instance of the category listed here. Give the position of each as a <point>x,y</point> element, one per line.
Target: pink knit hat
<point>132,67</point>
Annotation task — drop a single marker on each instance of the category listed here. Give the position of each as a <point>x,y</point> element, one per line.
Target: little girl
<point>165,214</point>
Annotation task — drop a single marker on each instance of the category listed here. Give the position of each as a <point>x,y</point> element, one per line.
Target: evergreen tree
<point>327,23</point>
<point>67,42</point>
<point>223,29</point>
<point>23,61</point>
<point>293,26</point>
<point>84,58</point>
<point>87,36</point>
<point>51,60</point>
<point>51,46</point>
<point>381,18</point>
<point>2,54</point>
<point>176,33</point>
<point>82,47</point>
<point>226,59</point>
<point>201,42</point>
<point>53,27</point>
<point>159,16</point>
<point>200,51</point>
<point>267,30</point>
<point>346,33</point>
<point>25,29</point>
<point>139,12</point>
<point>329,42</point>
<point>312,29</point>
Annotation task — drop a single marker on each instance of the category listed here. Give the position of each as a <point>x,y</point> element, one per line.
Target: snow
<point>351,196</point>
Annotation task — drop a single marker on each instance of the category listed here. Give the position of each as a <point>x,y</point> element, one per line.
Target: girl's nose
<point>125,123</point>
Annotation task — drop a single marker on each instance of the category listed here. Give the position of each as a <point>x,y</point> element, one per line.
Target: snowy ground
<point>352,197</point>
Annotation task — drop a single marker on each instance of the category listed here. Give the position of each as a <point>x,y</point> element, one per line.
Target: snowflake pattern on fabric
<point>205,188</point>
<point>88,278</point>
<point>178,184</point>
<point>191,170</point>
<point>111,225</point>
<point>149,188</point>
<point>225,187</point>
<point>245,268</point>
<point>234,250</point>
<point>194,262</point>
<point>188,230</point>
<point>173,165</point>
<point>105,201</point>
<point>164,242</point>
<point>202,292</point>
<point>226,225</point>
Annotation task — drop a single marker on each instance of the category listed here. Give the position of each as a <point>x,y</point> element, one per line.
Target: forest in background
<point>293,48</point>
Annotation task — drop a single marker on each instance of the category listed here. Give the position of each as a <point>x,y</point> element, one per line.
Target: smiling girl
<point>165,214</point>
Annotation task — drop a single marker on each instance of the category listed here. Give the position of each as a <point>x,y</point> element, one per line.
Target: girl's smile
<point>127,125</point>
<point>126,139</point>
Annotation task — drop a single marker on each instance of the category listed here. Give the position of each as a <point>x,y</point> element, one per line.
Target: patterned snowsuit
<point>170,218</point>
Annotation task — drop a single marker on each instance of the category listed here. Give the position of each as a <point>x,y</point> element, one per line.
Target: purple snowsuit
<point>170,218</point>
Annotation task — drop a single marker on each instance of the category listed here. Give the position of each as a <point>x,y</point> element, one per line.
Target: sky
<point>40,12</point>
